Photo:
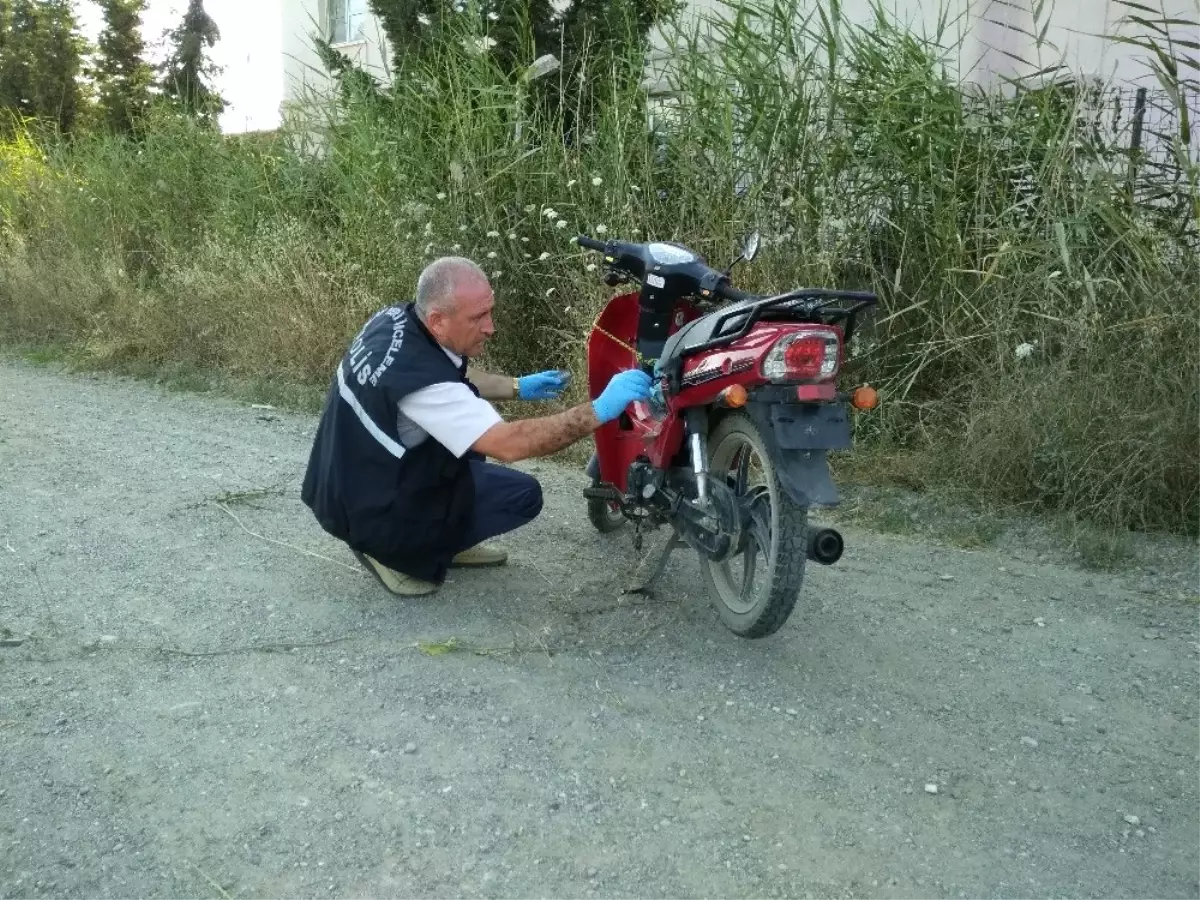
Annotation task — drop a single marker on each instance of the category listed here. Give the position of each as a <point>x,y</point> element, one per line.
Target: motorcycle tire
<point>604,517</point>
<point>786,531</point>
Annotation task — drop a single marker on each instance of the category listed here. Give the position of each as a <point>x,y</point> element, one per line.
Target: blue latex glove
<point>543,385</point>
<point>625,388</point>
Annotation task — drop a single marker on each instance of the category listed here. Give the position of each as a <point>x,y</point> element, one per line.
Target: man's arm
<point>492,387</point>
<point>512,441</point>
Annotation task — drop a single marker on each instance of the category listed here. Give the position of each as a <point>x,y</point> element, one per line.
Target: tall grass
<point>1037,339</point>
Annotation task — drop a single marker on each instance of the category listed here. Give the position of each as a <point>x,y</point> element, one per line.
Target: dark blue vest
<point>407,507</point>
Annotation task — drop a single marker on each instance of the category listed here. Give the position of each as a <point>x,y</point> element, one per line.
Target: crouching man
<point>397,469</point>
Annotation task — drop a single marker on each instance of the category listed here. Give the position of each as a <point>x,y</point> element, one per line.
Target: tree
<point>123,78</point>
<point>188,74</point>
<point>596,42</point>
<point>40,61</point>
<point>414,26</point>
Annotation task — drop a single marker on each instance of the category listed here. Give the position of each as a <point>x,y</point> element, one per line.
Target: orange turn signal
<point>865,397</point>
<point>734,396</point>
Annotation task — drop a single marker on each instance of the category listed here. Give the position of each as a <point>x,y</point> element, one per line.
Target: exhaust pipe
<point>825,546</point>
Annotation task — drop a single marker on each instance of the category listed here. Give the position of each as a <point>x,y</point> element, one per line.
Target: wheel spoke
<point>742,476</point>
<point>749,559</point>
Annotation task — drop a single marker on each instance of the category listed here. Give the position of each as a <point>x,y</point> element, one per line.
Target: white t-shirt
<point>448,412</point>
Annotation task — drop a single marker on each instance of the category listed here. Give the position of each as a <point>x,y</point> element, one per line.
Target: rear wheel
<point>756,588</point>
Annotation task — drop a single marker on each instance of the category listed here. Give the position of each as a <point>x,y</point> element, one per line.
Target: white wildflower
<point>561,223</point>
<point>591,267</point>
<point>597,181</point>
<point>493,17</point>
<point>601,229</point>
<point>543,256</point>
<point>527,255</point>
<point>456,247</point>
<point>1024,351</point>
<point>462,228</point>
<point>550,213</point>
<point>529,207</point>
<point>572,183</point>
<point>491,254</point>
<point>441,195</point>
<point>493,234</point>
<point>480,45</point>
<point>541,66</point>
<point>1055,274</point>
<point>635,188</point>
<point>549,292</point>
<point>524,240</point>
<point>423,19</point>
<point>512,236</point>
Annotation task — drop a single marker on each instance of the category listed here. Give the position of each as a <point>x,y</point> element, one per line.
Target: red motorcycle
<point>730,450</point>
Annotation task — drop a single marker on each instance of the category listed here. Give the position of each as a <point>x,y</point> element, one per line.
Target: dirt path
<point>176,721</point>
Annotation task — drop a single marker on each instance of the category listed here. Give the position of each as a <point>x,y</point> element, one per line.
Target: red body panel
<point>704,377</point>
<point>657,439</point>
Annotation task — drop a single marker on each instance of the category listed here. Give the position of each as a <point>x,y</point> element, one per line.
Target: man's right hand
<point>525,438</point>
<point>624,388</point>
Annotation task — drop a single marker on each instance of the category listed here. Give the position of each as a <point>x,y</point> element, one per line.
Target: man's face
<point>467,324</point>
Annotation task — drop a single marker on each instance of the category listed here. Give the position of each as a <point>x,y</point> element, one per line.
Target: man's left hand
<point>543,385</point>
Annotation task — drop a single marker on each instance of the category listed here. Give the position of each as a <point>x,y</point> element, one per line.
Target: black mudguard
<point>799,437</point>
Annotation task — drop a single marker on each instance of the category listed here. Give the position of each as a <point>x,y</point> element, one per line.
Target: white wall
<point>994,34</point>
<point>302,69</point>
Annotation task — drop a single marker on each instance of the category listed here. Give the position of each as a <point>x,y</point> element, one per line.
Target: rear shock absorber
<point>696,420</point>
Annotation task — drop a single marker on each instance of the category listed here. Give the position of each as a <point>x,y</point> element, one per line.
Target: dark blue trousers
<point>505,499</point>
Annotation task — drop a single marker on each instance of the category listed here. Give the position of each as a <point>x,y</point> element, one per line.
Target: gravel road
<point>188,709</point>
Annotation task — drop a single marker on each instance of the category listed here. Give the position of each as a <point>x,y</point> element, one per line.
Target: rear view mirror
<point>750,246</point>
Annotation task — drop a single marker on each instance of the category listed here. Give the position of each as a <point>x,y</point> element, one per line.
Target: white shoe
<point>480,555</point>
<point>395,582</point>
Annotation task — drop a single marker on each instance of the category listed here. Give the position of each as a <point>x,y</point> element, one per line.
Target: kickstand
<point>653,564</point>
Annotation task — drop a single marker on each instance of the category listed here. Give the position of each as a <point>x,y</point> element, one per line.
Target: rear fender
<point>798,437</point>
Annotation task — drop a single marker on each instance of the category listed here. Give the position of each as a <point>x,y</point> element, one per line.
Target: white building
<point>994,34</point>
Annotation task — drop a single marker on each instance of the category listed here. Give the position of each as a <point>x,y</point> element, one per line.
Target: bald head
<point>443,280</point>
<point>455,301</point>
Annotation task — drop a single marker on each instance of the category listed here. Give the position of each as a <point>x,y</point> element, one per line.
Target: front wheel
<point>756,588</point>
<point>605,515</point>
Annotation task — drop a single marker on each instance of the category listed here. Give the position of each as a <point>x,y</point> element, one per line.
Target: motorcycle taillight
<point>808,355</point>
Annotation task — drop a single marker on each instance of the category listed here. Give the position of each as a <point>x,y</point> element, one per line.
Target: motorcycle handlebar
<point>727,291</point>
<point>623,252</point>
